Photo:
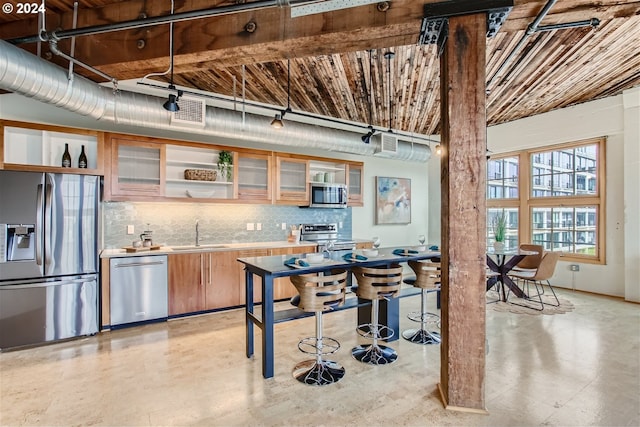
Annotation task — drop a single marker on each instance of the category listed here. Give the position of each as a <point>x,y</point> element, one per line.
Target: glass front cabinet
<point>355,173</point>
<point>292,180</point>
<point>137,168</point>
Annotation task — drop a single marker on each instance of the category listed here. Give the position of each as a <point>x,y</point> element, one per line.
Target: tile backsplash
<point>174,223</point>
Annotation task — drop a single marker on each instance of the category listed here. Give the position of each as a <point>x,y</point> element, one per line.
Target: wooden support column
<point>463,175</point>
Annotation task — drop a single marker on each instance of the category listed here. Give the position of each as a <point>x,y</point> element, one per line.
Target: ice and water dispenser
<point>17,242</point>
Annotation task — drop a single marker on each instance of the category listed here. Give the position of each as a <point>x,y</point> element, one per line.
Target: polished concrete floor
<point>580,368</point>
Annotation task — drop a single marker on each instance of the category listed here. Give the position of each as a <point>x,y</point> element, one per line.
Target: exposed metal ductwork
<point>26,74</point>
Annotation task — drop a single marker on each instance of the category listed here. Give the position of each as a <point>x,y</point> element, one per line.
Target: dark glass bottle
<point>82,160</point>
<point>66,157</point>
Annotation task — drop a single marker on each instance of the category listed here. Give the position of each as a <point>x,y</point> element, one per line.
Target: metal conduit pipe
<point>25,74</point>
<point>156,20</point>
<point>531,28</point>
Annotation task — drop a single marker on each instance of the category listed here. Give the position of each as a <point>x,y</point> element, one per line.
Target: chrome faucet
<point>197,233</point>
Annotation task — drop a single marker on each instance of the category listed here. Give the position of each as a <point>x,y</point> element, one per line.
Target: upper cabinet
<point>26,146</point>
<point>254,177</point>
<point>355,173</point>
<point>137,168</point>
<point>292,179</point>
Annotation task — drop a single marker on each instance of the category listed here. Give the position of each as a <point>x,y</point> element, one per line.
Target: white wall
<point>421,197</point>
<point>620,275</point>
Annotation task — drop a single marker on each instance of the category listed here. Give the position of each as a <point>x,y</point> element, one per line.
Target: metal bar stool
<point>428,280</point>
<point>376,283</point>
<point>317,293</point>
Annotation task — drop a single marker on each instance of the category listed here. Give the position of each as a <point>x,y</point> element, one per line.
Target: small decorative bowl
<point>370,252</point>
<point>314,258</point>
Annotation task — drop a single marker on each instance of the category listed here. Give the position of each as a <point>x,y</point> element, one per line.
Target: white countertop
<point>212,247</point>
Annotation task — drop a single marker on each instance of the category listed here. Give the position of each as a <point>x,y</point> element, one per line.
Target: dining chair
<point>542,274</point>
<point>530,262</point>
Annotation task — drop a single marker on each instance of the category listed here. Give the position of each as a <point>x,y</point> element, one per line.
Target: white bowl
<point>370,252</point>
<point>314,258</point>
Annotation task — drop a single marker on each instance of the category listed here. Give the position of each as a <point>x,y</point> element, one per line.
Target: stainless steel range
<point>326,236</point>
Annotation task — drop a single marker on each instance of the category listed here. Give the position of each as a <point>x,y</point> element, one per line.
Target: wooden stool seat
<point>428,280</point>
<point>374,284</point>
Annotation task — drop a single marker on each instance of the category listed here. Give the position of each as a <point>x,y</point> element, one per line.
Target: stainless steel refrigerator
<point>48,257</point>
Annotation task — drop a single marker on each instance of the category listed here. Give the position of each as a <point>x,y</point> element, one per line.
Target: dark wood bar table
<point>505,261</point>
<point>267,268</point>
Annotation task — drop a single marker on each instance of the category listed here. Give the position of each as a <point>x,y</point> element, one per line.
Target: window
<point>502,178</point>
<point>556,199</point>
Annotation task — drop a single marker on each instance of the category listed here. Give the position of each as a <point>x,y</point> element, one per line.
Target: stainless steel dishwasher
<point>138,289</point>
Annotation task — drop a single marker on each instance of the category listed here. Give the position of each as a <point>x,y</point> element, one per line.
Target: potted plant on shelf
<point>499,231</point>
<point>225,160</point>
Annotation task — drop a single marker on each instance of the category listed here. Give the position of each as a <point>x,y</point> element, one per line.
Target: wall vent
<point>192,112</point>
<point>385,144</point>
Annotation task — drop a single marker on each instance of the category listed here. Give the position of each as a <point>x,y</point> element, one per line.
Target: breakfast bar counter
<point>270,267</point>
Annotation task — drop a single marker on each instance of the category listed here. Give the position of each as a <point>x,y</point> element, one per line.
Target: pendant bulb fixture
<point>277,122</point>
<point>367,138</point>
<point>171,104</point>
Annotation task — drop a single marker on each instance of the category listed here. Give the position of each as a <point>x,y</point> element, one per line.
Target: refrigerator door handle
<point>39,230</point>
<point>47,220</point>
<point>49,284</point>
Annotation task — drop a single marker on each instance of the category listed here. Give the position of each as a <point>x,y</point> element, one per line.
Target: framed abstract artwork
<point>393,200</point>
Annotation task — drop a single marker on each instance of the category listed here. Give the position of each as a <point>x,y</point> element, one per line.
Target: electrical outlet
<point>250,226</point>
<point>130,229</point>
<point>258,226</point>
<point>284,225</point>
<point>574,267</point>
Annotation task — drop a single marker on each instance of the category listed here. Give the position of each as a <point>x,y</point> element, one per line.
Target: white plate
<point>311,264</point>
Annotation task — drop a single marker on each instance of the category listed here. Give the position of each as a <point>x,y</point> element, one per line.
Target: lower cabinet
<point>214,280</point>
<point>186,283</point>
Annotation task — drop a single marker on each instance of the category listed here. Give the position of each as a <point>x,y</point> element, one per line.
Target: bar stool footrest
<point>374,355</point>
<point>312,372</point>
<point>416,316</point>
<point>365,330</point>
<point>310,345</point>
<point>421,336</point>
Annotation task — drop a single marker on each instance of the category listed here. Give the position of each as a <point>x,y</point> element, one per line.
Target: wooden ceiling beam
<point>223,41</point>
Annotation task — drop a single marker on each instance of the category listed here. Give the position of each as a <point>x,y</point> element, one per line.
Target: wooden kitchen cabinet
<point>355,179</point>
<point>224,287</point>
<point>292,174</point>
<point>254,177</point>
<point>137,168</point>
<point>186,282</point>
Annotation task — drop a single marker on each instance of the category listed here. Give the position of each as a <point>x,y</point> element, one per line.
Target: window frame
<point>526,202</point>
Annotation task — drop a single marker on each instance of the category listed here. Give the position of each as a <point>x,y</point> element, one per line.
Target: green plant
<point>225,160</point>
<point>500,227</point>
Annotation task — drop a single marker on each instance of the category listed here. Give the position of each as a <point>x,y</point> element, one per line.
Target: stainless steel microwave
<point>327,195</point>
